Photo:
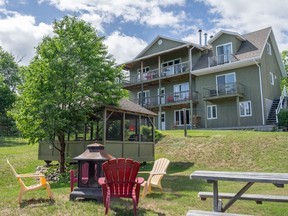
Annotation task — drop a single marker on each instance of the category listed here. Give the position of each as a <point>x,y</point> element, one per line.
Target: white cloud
<point>163,19</point>
<point>123,47</point>
<point>19,35</point>
<point>147,12</point>
<point>247,16</point>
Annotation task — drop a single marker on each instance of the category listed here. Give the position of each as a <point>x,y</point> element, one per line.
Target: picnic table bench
<point>250,178</point>
<point>207,213</point>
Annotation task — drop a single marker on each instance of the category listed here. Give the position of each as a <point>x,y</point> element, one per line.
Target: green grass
<point>200,150</point>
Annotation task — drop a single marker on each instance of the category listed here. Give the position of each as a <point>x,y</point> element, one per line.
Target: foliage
<point>284,55</point>
<point>9,69</point>
<point>158,136</point>
<point>69,78</point>
<point>7,98</point>
<point>9,79</point>
<point>283,118</point>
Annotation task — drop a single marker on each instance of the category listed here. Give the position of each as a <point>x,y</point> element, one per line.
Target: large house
<point>231,80</point>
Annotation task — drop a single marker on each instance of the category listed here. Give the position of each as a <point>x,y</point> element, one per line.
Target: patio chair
<point>120,181</point>
<point>41,183</point>
<point>74,175</point>
<point>156,174</point>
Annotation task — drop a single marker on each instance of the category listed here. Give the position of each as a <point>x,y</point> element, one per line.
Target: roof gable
<point>220,33</point>
<point>160,44</point>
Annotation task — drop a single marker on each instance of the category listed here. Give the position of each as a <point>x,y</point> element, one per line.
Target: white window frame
<point>182,94</point>
<point>271,75</point>
<point>179,117</point>
<point>146,98</point>
<point>210,107</point>
<point>168,67</point>
<point>269,51</point>
<point>225,58</point>
<point>145,70</point>
<point>228,87</point>
<point>247,106</point>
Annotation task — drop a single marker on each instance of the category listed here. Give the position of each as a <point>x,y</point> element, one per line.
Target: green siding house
<point>231,81</point>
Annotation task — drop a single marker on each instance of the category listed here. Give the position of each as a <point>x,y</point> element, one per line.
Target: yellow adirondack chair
<point>23,188</point>
<point>156,174</point>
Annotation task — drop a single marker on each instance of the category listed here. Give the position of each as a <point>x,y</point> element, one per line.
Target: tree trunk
<point>61,138</point>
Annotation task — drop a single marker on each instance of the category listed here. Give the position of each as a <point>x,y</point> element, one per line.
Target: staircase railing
<point>280,104</point>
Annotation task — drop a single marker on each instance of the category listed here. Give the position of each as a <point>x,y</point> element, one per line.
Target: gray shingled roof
<point>251,48</point>
<point>254,44</point>
<point>129,106</point>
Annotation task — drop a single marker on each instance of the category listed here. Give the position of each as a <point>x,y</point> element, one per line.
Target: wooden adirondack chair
<point>156,174</point>
<point>42,183</point>
<point>120,181</point>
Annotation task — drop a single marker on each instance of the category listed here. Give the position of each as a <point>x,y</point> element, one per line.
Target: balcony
<point>168,99</point>
<point>221,59</point>
<point>175,69</point>
<point>151,75</point>
<point>224,91</point>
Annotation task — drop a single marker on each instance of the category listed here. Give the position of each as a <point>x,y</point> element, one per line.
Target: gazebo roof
<point>129,106</point>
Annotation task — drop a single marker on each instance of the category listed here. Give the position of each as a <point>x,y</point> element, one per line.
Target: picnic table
<point>250,178</point>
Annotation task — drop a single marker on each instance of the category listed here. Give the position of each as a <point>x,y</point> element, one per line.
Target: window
<point>271,78</point>
<point>168,68</point>
<point>223,53</point>
<point>269,51</point>
<point>181,91</point>
<point>245,108</point>
<point>145,70</point>
<point>179,117</point>
<point>144,98</point>
<point>212,112</point>
<point>226,83</point>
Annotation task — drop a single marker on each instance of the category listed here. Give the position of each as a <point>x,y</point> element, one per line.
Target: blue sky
<point>130,25</point>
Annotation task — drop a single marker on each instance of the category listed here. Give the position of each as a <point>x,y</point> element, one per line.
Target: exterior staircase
<point>271,120</point>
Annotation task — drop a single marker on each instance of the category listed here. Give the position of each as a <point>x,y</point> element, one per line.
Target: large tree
<point>9,69</point>
<point>70,76</point>
<point>9,79</point>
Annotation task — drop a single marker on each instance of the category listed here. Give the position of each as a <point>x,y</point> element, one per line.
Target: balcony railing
<point>221,59</point>
<point>175,69</point>
<point>154,74</point>
<point>227,90</point>
<point>177,97</point>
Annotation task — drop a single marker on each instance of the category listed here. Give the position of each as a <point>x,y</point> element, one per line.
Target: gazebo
<point>126,130</point>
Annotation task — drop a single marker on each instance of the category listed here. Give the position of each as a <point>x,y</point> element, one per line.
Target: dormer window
<point>223,53</point>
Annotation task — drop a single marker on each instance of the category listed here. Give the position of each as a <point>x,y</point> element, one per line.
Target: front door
<point>163,125</point>
<point>161,96</point>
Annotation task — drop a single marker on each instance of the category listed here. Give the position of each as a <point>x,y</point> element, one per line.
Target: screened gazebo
<point>126,130</point>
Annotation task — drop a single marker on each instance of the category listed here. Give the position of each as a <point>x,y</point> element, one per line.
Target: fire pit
<point>89,170</point>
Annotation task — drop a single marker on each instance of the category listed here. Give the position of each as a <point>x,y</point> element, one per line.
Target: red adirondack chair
<point>120,181</point>
<point>74,176</point>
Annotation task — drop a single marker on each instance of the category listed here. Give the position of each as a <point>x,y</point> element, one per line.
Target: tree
<point>9,79</point>
<point>9,69</point>
<point>284,55</point>
<point>7,98</point>
<point>68,79</point>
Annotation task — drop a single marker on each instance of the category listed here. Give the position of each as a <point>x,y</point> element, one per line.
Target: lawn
<point>200,150</point>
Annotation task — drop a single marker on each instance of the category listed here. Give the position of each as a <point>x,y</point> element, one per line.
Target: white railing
<point>280,104</point>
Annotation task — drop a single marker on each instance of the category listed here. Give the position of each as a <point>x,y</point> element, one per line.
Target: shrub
<point>283,118</point>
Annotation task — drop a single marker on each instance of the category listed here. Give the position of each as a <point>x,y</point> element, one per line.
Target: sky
<point>130,25</point>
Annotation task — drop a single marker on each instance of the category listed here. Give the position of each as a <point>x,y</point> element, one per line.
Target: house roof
<point>251,50</point>
<point>129,106</point>
<point>182,44</point>
<point>240,37</point>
